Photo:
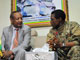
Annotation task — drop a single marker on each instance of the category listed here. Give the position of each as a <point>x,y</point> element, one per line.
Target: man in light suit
<point>24,36</point>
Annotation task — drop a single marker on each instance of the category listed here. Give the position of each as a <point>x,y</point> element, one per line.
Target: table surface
<point>41,56</point>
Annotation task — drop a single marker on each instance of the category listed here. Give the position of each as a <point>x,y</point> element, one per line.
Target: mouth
<point>20,23</point>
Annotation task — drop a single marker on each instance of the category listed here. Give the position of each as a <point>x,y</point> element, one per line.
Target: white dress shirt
<point>14,34</point>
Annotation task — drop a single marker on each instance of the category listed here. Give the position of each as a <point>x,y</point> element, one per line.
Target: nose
<point>20,19</point>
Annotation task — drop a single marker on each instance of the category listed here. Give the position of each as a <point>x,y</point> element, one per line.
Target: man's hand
<point>56,40</point>
<point>12,57</point>
<point>7,54</point>
<point>50,42</point>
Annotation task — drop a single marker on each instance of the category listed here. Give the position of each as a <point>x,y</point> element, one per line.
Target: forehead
<point>17,15</point>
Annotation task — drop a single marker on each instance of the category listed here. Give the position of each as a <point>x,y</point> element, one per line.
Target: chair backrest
<point>34,33</point>
<point>37,41</point>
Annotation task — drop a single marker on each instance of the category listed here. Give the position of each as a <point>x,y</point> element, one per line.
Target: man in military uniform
<point>64,37</point>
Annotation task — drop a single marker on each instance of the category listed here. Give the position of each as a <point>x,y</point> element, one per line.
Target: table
<point>41,56</point>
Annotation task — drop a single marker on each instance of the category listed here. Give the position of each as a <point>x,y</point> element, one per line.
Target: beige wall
<point>5,9</point>
<point>5,6</point>
<point>74,10</point>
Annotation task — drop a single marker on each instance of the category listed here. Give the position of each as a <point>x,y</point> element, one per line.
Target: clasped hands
<point>55,43</point>
<point>7,54</point>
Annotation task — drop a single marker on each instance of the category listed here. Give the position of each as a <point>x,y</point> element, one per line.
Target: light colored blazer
<point>23,39</point>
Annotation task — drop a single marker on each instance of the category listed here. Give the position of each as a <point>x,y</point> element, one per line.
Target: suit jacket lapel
<point>10,34</point>
<point>20,37</point>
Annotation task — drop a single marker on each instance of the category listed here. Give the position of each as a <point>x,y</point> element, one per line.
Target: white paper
<point>45,48</point>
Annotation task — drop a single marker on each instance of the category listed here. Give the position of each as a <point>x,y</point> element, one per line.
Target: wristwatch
<point>63,44</point>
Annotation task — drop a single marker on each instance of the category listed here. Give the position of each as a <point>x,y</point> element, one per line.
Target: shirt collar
<point>13,28</point>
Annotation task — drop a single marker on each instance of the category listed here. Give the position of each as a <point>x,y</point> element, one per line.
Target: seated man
<point>64,37</point>
<point>15,38</point>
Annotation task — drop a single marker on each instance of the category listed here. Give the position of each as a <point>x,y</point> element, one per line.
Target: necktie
<point>15,42</point>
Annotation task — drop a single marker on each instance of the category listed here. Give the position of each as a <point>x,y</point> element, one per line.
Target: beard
<point>55,26</point>
<point>18,26</point>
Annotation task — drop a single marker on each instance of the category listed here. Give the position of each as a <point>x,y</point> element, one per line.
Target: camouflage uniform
<point>68,32</point>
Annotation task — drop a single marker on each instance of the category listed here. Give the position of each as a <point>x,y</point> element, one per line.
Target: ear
<point>60,19</point>
<point>11,20</point>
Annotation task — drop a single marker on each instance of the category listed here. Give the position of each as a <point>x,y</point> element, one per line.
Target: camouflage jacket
<point>68,32</point>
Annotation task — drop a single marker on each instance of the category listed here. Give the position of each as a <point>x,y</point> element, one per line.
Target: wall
<point>42,31</point>
<point>74,10</point>
<point>5,9</point>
